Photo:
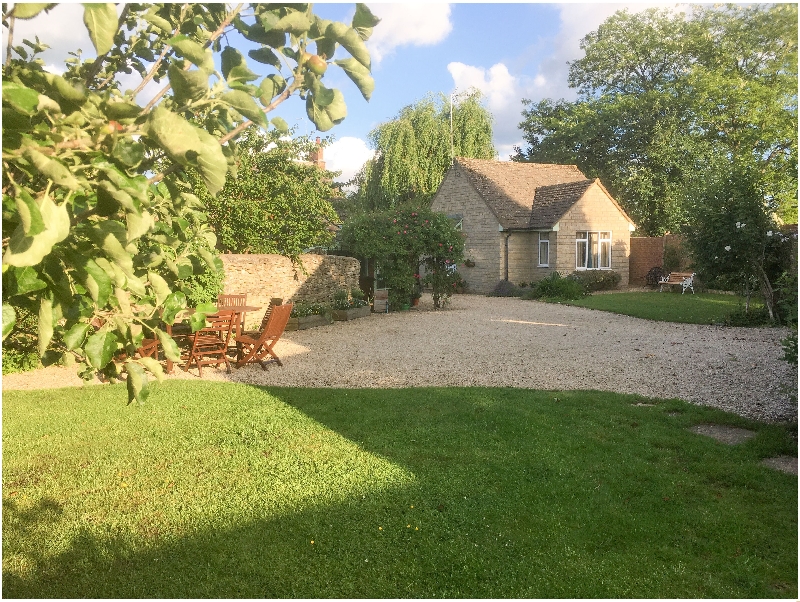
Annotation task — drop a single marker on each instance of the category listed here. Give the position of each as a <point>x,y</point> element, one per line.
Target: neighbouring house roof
<point>528,195</point>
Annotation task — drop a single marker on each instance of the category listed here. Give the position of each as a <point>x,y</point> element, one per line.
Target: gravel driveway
<point>482,341</point>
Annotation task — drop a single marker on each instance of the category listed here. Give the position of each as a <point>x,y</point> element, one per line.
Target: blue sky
<point>509,51</point>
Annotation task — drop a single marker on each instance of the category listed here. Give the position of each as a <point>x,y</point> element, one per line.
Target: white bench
<point>683,279</point>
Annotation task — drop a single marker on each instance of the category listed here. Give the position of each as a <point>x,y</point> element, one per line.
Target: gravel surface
<point>482,341</point>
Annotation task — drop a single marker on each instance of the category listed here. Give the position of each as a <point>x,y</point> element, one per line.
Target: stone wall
<point>265,276</point>
<point>484,241</point>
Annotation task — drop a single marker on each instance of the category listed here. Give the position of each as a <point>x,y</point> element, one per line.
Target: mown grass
<point>228,490</point>
<point>700,308</point>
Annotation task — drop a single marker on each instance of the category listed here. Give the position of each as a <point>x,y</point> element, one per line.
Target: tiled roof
<point>509,187</point>
<point>551,202</point>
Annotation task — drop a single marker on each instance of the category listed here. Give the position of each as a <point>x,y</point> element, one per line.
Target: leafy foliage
<point>94,243</point>
<point>662,93</point>
<point>556,287</point>
<point>413,151</point>
<point>302,309</point>
<point>401,240</point>
<point>343,299</point>
<point>597,280</point>
<point>506,288</point>
<point>274,203</point>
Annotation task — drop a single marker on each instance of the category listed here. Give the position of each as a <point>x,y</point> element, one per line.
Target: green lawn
<point>700,308</point>
<point>228,490</point>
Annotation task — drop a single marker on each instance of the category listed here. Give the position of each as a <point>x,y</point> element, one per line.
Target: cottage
<point>523,221</point>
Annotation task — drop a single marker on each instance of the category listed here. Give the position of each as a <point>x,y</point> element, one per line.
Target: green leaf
<point>364,21</point>
<point>325,117</point>
<point>138,224</point>
<point>349,38</point>
<point>326,47</point>
<point>28,10</point>
<point>191,50</point>
<point>272,37</point>
<point>152,365</point>
<point>128,152</point>
<point>25,250</point>
<point>187,85</point>
<point>76,335</point>
<point>270,87</point>
<point>294,23</point>
<point>241,74</point>
<point>102,22</point>
<point>280,124</point>
<point>97,281</point>
<point>122,198</point>
<point>157,21</point>
<point>359,75</point>
<point>100,348</point>
<point>45,325</point>
<point>244,103</point>
<point>188,145</point>
<point>67,91</point>
<point>136,382</point>
<point>230,58</point>
<point>29,214</point>
<point>52,169</point>
<point>266,56</point>
<point>122,110</point>
<point>170,347</point>
<point>174,303</point>
<point>22,281</point>
<point>160,287</point>
<point>20,98</point>
<point>9,319</point>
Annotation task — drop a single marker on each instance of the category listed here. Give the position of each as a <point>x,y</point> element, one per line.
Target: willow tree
<point>414,150</point>
<point>95,242</point>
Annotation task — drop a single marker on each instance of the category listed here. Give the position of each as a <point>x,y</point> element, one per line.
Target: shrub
<point>505,288</point>
<point>789,345</point>
<point>754,317</point>
<point>20,353</point>
<point>302,309</point>
<point>557,288</point>
<point>343,300</point>
<point>597,280</point>
<point>203,287</point>
<point>654,275</point>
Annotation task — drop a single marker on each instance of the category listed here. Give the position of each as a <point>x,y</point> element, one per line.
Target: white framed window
<point>544,249</point>
<point>458,221</point>
<point>593,250</point>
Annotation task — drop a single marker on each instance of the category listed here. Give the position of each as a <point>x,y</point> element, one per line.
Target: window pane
<point>605,254</point>
<point>594,251</point>
<point>580,235</point>
<point>544,252</point>
<point>605,235</point>
<point>544,236</point>
<point>580,254</point>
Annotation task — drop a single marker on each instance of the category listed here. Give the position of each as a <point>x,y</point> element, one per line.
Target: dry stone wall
<point>263,277</point>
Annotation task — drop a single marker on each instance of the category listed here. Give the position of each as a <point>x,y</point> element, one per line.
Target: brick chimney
<point>316,156</point>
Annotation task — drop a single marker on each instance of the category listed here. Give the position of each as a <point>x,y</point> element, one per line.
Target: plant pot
<point>307,322</point>
<point>351,314</point>
<point>415,302</point>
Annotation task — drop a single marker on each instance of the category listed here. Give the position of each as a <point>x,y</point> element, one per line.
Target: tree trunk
<point>766,291</point>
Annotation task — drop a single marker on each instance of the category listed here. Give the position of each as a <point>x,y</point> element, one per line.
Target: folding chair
<point>255,349</point>
<point>209,344</point>
<point>256,333</point>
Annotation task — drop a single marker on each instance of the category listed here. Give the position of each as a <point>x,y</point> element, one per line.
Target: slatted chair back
<point>231,300</point>
<point>255,349</point>
<point>210,344</point>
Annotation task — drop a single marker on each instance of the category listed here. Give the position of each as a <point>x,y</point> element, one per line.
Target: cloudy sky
<point>509,51</point>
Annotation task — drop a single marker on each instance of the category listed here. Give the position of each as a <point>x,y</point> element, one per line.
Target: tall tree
<point>414,152</point>
<point>660,93</point>
<point>94,242</point>
<point>276,201</point>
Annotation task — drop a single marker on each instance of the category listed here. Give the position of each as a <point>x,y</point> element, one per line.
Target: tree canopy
<point>276,201</point>
<point>413,150</point>
<point>100,223</point>
<point>661,93</point>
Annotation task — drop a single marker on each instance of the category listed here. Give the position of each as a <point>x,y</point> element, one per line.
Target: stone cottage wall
<point>483,243</point>
<point>265,276</point>
<point>594,212</point>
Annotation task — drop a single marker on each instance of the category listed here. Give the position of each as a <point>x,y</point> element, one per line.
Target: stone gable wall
<point>265,276</point>
<point>594,212</point>
<point>483,243</point>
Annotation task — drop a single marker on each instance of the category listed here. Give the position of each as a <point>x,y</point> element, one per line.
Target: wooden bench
<point>682,279</point>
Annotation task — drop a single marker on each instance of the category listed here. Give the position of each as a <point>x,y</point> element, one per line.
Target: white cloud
<point>347,155</point>
<point>407,24</point>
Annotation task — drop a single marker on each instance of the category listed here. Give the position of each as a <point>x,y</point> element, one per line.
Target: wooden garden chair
<point>255,349</point>
<point>233,300</point>
<point>210,344</point>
